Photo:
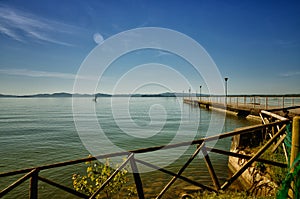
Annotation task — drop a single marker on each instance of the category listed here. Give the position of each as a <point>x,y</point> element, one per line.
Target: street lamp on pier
<point>226,79</point>
<point>200,93</point>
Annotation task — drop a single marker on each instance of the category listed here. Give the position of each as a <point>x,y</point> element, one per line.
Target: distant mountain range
<point>167,94</point>
<point>62,94</point>
<point>57,95</point>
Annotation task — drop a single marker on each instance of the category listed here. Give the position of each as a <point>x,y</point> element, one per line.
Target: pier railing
<point>249,104</point>
<point>263,102</point>
<point>277,128</point>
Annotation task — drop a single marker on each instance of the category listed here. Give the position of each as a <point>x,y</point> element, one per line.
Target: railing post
<point>282,101</point>
<point>33,191</point>
<point>295,148</point>
<point>137,178</point>
<point>210,168</point>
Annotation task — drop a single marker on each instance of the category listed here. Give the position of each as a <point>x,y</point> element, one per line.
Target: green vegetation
<point>96,174</point>
<point>283,176</point>
<point>225,195</point>
<point>292,176</point>
<point>277,173</point>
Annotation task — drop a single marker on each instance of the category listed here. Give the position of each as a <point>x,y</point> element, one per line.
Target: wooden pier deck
<point>249,105</point>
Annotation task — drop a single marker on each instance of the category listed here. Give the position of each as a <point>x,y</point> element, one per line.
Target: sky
<point>44,45</point>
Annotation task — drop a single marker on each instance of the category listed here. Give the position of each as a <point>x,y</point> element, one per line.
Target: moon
<point>98,38</point>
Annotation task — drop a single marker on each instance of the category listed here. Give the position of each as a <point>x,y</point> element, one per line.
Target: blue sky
<point>254,43</point>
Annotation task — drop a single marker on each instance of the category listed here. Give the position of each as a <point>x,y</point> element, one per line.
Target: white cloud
<point>290,74</point>
<point>9,33</point>
<point>22,26</point>
<point>35,73</point>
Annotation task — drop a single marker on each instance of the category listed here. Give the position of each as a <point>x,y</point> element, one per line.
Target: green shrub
<point>96,174</point>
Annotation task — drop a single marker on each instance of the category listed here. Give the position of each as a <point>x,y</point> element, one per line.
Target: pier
<point>244,105</point>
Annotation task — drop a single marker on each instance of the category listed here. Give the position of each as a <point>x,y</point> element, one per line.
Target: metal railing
<point>265,102</point>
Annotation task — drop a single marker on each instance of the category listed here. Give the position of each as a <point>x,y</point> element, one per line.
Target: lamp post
<point>226,79</point>
<point>200,94</point>
<point>190,93</point>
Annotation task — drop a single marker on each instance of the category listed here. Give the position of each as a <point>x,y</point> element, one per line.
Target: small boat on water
<point>95,98</point>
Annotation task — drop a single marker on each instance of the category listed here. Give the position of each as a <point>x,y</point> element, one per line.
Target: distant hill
<point>151,95</point>
<point>103,95</point>
<point>159,95</point>
<point>47,95</point>
<point>169,94</point>
<point>1,95</point>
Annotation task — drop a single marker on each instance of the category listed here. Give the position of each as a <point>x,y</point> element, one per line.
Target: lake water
<point>37,131</point>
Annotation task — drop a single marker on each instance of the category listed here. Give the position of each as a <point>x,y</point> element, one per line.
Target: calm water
<point>37,131</point>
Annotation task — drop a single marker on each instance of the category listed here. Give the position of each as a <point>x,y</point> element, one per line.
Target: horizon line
<point>147,94</point>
